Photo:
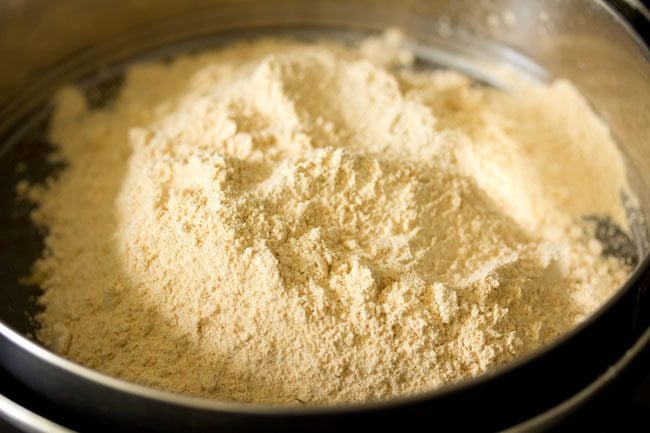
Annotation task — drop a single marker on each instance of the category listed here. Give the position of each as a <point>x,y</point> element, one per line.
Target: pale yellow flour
<point>283,222</point>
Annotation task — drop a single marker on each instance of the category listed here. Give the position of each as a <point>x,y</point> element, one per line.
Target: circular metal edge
<point>570,405</point>
<point>27,420</point>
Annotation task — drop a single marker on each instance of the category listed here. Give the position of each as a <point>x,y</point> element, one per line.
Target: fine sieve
<point>47,44</point>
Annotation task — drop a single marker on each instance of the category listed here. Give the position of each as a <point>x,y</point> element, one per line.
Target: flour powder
<point>285,222</point>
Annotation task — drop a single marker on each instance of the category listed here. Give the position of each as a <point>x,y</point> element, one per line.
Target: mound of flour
<point>283,222</point>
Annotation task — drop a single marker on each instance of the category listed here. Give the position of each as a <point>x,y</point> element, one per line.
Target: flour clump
<point>285,222</point>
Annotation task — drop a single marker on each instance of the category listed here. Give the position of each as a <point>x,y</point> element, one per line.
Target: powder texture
<point>285,222</point>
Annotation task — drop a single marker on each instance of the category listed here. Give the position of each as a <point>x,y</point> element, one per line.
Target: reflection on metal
<point>26,420</point>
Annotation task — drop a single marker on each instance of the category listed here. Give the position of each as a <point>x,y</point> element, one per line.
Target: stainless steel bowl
<point>45,44</point>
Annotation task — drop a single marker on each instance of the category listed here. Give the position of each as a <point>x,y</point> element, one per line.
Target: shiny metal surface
<point>26,420</point>
<point>555,415</point>
<point>47,43</point>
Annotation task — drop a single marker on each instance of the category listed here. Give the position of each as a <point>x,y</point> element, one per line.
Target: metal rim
<point>581,398</point>
<point>27,420</point>
<point>142,391</point>
<point>34,423</point>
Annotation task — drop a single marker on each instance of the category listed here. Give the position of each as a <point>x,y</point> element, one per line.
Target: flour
<point>283,222</point>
